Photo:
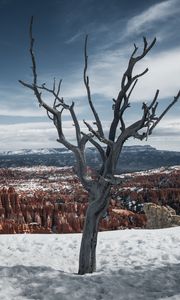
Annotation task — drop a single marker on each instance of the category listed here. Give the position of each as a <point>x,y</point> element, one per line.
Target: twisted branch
<point>127,84</point>
<point>86,83</point>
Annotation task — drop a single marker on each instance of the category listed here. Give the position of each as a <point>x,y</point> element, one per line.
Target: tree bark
<point>95,211</point>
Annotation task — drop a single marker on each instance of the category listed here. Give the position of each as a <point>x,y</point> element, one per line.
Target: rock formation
<point>160,216</point>
<point>49,199</point>
<point>44,213</point>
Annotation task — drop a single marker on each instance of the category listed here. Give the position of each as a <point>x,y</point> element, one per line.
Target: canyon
<point>43,199</point>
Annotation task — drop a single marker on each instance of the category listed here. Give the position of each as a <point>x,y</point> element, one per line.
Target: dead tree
<point>109,147</point>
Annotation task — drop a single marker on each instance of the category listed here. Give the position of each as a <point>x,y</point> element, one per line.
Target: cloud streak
<point>37,134</point>
<point>149,18</point>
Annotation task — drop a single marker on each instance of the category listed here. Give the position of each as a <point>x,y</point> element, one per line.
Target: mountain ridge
<point>132,158</point>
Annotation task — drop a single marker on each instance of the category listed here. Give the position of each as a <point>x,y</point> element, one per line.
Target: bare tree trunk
<point>95,211</point>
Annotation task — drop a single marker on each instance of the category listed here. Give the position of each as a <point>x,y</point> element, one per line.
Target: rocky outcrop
<point>175,220</point>
<point>160,216</point>
<point>123,218</point>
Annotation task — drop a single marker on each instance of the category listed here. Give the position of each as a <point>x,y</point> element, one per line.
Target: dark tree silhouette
<point>109,147</point>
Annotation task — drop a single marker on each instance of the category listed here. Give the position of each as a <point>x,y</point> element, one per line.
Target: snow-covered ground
<point>131,264</point>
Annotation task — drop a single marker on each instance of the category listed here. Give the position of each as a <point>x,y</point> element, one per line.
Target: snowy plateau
<point>131,264</point>
<point>132,158</point>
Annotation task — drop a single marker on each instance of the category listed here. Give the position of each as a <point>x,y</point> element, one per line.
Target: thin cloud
<point>24,104</point>
<point>25,135</point>
<point>149,18</point>
<point>74,38</point>
<point>21,112</point>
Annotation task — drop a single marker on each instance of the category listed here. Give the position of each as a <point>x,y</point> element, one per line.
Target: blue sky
<point>60,27</point>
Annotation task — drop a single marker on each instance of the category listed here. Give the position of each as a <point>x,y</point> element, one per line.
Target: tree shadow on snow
<point>49,284</point>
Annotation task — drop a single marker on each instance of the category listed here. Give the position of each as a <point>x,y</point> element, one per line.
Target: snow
<point>40,151</point>
<point>28,151</point>
<point>138,148</point>
<point>45,178</point>
<point>40,169</point>
<point>131,264</point>
<point>163,170</point>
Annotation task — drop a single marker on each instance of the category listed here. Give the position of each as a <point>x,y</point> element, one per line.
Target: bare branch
<point>135,50</point>
<point>176,98</point>
<point>141,74</point>
<point>146,48</point>
<point>145,43</point>
<point>86,83</point>
<point>56,94</point>
<point>132,88</point>
<point>49,116</point>
<point>89,137</point>
<point>76,123</point>
<point>102,139</point>
<point>125,106</point>
<point>154,100</point>
<point>127,85</point>
<point>59,87</point>
<point>39,98</point>
<point>31,52</point>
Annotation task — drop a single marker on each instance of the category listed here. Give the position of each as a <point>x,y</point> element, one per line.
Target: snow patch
<point>131,264</point>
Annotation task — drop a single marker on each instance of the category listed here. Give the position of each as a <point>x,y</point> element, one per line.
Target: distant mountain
<point>132,158</point>
<point>34,151</point>
<point>46,151</point>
